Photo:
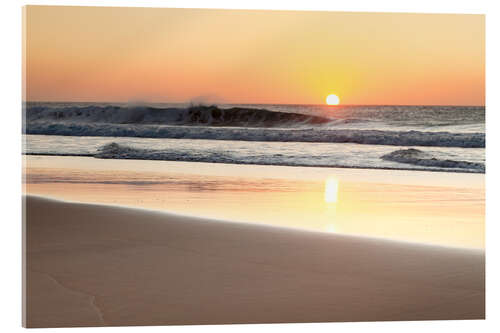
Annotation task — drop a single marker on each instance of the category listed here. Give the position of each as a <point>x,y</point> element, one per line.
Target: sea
<point>432,138</point>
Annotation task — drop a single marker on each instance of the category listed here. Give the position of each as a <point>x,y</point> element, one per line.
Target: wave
<point>114,150</point>
<point>193,115</point>
<point>117,151</point>
<point>373,137</point>
<point>417,157</point>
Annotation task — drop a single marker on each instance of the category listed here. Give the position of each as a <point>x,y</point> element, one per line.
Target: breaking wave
<point>420,160</point>
<point>116,151</point>
<point>231,123</point>
<point>193,115</point>
<point>426,159</point>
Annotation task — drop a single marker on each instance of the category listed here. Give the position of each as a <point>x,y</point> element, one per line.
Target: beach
<point>194,166</point>
<point>113,242</point>
<point>99,265</point>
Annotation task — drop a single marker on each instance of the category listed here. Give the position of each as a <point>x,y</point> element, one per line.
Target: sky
<point>234,56</point>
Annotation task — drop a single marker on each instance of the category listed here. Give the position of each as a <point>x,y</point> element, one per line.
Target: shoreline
<point>263,164</point>
<point>99,265</point>
<point>174,214</point>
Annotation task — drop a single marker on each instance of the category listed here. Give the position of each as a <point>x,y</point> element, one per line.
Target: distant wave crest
<point>420,158</point>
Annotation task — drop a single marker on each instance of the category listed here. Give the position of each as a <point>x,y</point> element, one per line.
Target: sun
<point>332,100</point>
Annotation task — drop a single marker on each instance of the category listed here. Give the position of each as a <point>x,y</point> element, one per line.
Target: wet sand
<point>99,265</point>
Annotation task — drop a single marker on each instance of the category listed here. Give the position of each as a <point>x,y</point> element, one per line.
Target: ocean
<point>432,138</point>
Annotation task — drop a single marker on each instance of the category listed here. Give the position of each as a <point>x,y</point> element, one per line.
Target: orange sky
<point>177,55</point>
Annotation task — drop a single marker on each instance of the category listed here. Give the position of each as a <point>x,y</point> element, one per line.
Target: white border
<point>425,6</point>
<point>11,158</point>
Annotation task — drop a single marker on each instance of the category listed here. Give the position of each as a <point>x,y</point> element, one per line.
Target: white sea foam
<point>409,156</point>
<point>374,137</point>
<point>312,154</point>
<point>421,158</point>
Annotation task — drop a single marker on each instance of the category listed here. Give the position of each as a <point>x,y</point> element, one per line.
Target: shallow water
<point>248,152</point>
<point>425,207</point>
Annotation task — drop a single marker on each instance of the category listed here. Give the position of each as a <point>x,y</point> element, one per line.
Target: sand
<point>96,265</point>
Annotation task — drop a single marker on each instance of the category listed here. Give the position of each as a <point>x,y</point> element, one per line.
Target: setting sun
<point>332,100</point>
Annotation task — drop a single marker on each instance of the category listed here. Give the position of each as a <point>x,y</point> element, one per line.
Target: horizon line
<point>235,103</point>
